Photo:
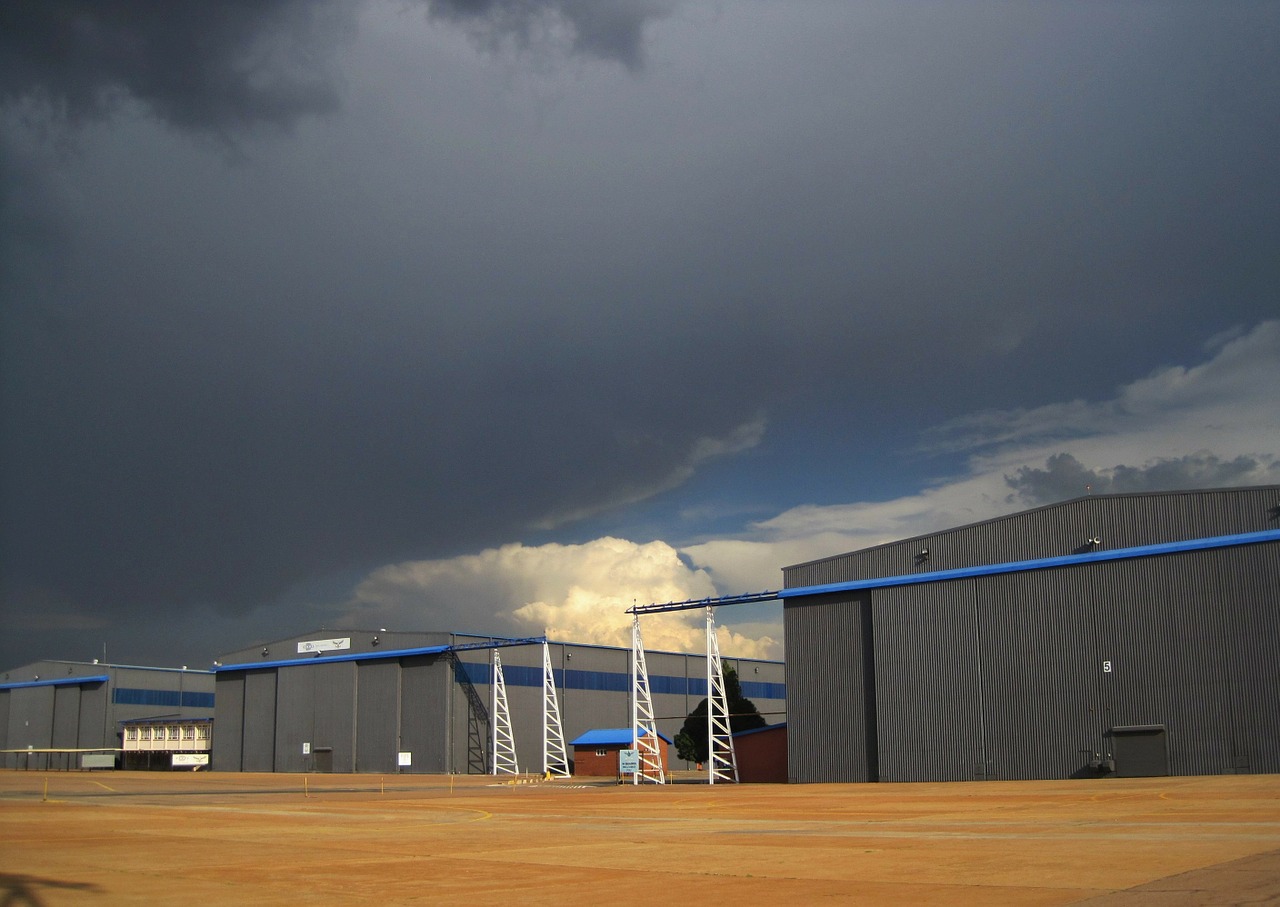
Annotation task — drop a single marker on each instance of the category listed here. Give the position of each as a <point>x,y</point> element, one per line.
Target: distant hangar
<point>59,715</point>
<point>379,701</point>
<point>1133,634</point>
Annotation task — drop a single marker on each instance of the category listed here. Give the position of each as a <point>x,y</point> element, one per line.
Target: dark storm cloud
<point>606,29</point>
<point>193,64</point>
<point>1064,477</point>
<point>481,296</point>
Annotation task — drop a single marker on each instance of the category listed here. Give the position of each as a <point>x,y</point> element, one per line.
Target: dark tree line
<point>691,742</point>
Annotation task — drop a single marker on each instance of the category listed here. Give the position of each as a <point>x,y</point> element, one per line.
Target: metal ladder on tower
<point>555,757</point>
<point>504,742</point>
<point>644,729</point>
<point>722,762</point>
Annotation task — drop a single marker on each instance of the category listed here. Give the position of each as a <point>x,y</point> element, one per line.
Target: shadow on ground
<point>24,890</point>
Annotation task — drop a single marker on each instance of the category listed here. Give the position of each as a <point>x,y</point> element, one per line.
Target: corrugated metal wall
<point>60,714</point>
<point>335,712</point>
<point>424,694</point>
<point>929,715</point>
<point>1163,627</point>
<point>30,722</point>
<point>96,727</point>
<point>227,745</point>
<point>1251,652</point>
<point>378,716</point>
<point>315,711</point>
<point>259,753</point>
<point>828,699</point>
<point>66,716</point>
<point>1120,521</point>
<point>1038,673</point>
<point>1025,675</point>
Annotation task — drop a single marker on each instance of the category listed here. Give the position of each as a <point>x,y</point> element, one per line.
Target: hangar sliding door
<point>377,716</point>
<point>424,699</point>
<point>831,695</point>
<point>315,719</point>
<point>228,729</point>
<point>929,709</point>
<point>259,726</point>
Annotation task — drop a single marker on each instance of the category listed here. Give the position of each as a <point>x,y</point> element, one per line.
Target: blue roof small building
<point>595,753</point>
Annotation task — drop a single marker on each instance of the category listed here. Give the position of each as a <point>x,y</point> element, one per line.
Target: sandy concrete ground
<point>155,838</point>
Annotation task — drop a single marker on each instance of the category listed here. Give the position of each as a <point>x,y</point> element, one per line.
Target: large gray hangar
<point>1132,633</point>
<point>378,701</point>
<point>54,714</point>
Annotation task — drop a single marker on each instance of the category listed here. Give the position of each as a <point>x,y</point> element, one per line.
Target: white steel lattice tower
<point>555,758</point>
<point>722,763</point>
<point>504,743</point>
<point>644,730</point>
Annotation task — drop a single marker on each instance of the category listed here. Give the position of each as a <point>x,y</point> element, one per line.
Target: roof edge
<point>1040,509</point>
<point>1066,560</point>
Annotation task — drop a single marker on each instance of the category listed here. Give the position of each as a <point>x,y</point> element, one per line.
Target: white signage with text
<point>324,645</point>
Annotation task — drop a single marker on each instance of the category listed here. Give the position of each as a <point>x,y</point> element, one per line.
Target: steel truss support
<point>722,763</point>
<point>644,729</point>
<point>503,742</point>
<point>555,758</point>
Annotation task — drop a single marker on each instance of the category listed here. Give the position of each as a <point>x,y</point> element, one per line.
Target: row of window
<point>145,732</point>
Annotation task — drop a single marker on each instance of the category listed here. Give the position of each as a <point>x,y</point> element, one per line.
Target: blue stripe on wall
<point>129,696</point>
<point>172,699</point>
<point>756,689</point>
<point>615,682</point>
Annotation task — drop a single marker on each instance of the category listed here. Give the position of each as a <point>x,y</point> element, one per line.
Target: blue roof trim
<point>1067,560</point>
<point>165,721</point>
<point>761,730</point>
<point>610,736</point>
<point>493,643</point>
<point>55,682</point>
<point>330,659</point>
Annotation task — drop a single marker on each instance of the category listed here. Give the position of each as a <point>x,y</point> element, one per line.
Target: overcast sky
<point>500,316</point>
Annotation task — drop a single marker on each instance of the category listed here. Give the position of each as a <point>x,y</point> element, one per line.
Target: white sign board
<point>180,759</point>
<point>406,760</point>
<point>306,749</point>
<point>628,761</point>
<point>97,760</point>
<point>323,645</point>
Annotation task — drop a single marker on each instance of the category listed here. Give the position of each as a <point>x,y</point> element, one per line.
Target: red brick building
<point>762,754</point>
<point>595,753</point>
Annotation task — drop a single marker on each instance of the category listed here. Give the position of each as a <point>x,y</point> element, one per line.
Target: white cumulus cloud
<point>576,593</point>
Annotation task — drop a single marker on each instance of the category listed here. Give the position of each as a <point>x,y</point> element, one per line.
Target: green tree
<point>691,742</point>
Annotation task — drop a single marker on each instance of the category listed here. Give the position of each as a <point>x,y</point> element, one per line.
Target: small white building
<point>166,743</point>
